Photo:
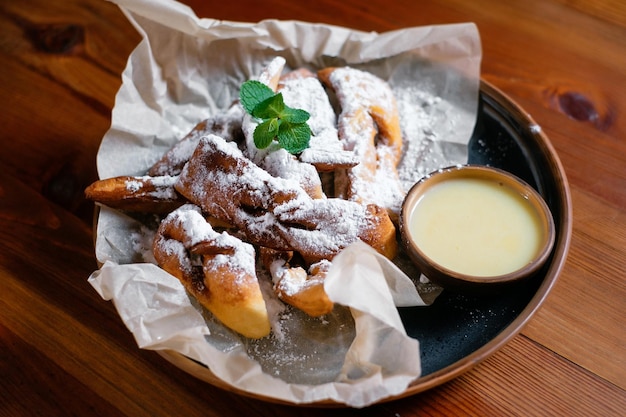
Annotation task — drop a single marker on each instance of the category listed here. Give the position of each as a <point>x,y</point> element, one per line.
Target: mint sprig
<point>286,125</point>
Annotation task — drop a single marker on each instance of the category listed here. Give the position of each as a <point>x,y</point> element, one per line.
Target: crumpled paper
<point>183,70</point>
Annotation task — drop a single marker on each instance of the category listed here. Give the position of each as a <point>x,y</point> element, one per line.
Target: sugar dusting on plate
<point>302,349</point>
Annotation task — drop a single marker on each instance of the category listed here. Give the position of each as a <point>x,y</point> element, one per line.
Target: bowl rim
<point>514,183</point>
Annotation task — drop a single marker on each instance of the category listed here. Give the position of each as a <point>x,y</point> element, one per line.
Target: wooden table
<point>64,351</point>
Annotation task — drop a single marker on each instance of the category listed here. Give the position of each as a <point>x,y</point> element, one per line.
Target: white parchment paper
<point>186,68</point>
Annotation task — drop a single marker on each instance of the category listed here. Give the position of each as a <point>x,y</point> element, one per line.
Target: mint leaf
<point>270,107</point>
<point>294,116</point>
<point>294,138</point>
<point>277,121</point>
<point>252,93</point>
<point>265,133</point>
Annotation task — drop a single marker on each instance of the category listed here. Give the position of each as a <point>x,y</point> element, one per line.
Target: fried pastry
<point>225,123</point>
<point>282,164</point>
<point>278,213</point>
<point>272,200</point>
<point>216,268</point>
<point>369,125</point>
<point>231,188</point>
<point>320,229</point>
<point>136,193</point>
<point>295,286</point>
<point>301,89</point>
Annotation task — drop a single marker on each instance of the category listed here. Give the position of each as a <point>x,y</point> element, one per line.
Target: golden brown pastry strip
<point>224,278</point>
<point>137,194</point>
<point>295,286</point>
<point>360,89</point>
<point>369,125</point>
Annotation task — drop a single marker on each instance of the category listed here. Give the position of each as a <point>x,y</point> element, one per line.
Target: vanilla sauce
<point>475,226</point>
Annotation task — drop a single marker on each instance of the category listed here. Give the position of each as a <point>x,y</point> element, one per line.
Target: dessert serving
<point>227,202</point>
<point>250,190</point>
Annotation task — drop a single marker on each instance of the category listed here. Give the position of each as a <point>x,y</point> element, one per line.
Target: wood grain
<point>566,324</point>
<point>68,87</point>
<point>64,351</point>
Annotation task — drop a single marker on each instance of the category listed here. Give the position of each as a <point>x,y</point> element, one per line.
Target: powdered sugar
<point>133,186</point>
<point>369,126</point>
<point>224,123</point>
<point>282,164</point>
<point>305,349</point>
<point>228,250</point>
<point>421,114</point>
<point>332,233</point>
<point>359,89</point>
<point>269,76</point>
<point>159,187</point>
<point>307,93</point>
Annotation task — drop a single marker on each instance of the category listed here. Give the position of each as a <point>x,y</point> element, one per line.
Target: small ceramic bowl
<point>476,228</point>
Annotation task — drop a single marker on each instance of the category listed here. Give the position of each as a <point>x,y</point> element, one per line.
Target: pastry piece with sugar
<point>231,188</point>
<point>278,213</point>
<point>136,193</point>
<point>154,192</point>
<point>282,164</point>
<point>301,89</point>
<point>320,229</point>
<point>369,125</point>
<point>224,123</point>
<point>296,286</point>
<point>216,268</point>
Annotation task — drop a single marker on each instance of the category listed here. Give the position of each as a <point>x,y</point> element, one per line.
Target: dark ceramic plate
<point>459,331</point>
